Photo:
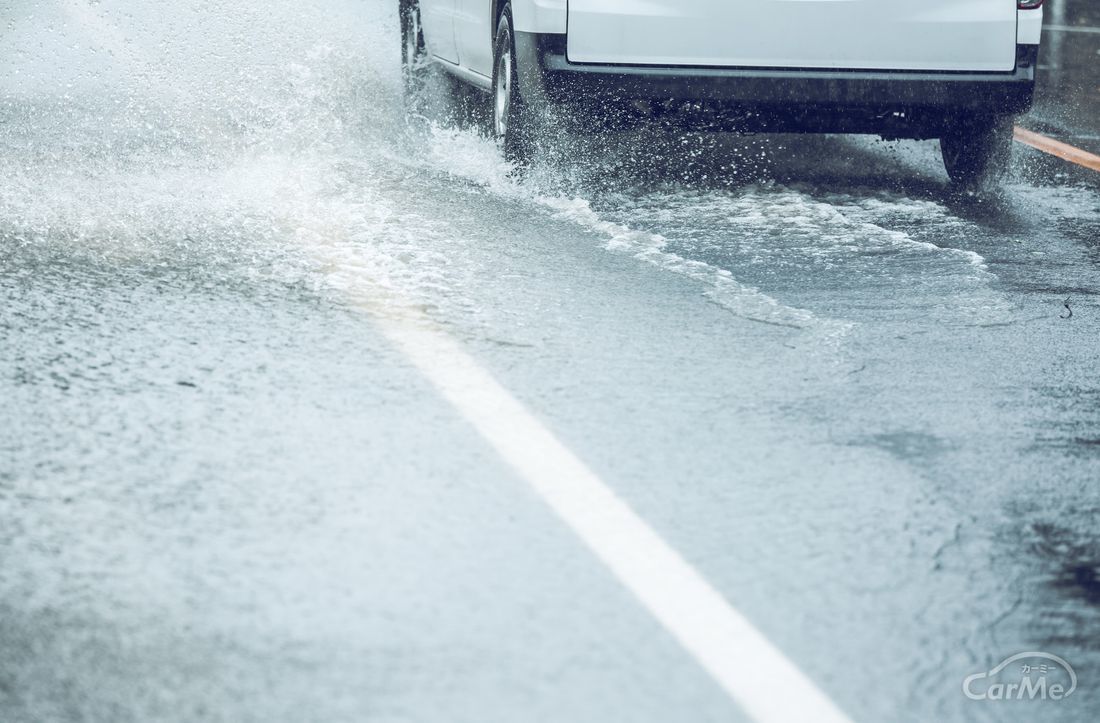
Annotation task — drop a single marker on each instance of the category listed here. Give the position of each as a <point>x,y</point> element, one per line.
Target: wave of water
<point>271,135</point>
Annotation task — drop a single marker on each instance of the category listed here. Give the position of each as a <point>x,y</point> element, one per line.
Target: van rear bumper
<point>893,103</point>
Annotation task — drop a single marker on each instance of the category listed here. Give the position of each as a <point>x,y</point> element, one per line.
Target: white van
<point>956,70</point>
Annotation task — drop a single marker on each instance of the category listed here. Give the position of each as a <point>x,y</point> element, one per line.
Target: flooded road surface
<point>864,409</point>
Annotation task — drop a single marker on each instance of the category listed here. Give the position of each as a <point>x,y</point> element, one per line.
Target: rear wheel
<point>513,123</point>
<point>977,154</point>
<point>414,54</point>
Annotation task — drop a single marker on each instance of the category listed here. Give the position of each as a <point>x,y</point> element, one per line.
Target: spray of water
<point>270,137</point>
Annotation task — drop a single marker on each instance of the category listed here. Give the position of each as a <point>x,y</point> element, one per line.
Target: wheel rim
<point>412,36</point>
<point>503,106</point>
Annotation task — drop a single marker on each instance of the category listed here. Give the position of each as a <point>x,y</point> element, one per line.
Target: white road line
<point>759,678</point>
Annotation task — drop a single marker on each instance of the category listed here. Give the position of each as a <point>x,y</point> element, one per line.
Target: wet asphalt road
<point>1068,97</point>
<point>850,398</point>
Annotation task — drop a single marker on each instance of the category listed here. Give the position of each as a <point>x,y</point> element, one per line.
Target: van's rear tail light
<point>1029,4</point>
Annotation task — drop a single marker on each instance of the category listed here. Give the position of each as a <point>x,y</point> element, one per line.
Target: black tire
<point>514,126</point>
<point>977,154</point>
<point>414,55</point>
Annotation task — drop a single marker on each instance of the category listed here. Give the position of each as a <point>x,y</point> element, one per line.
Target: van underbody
<point>894,104</point>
